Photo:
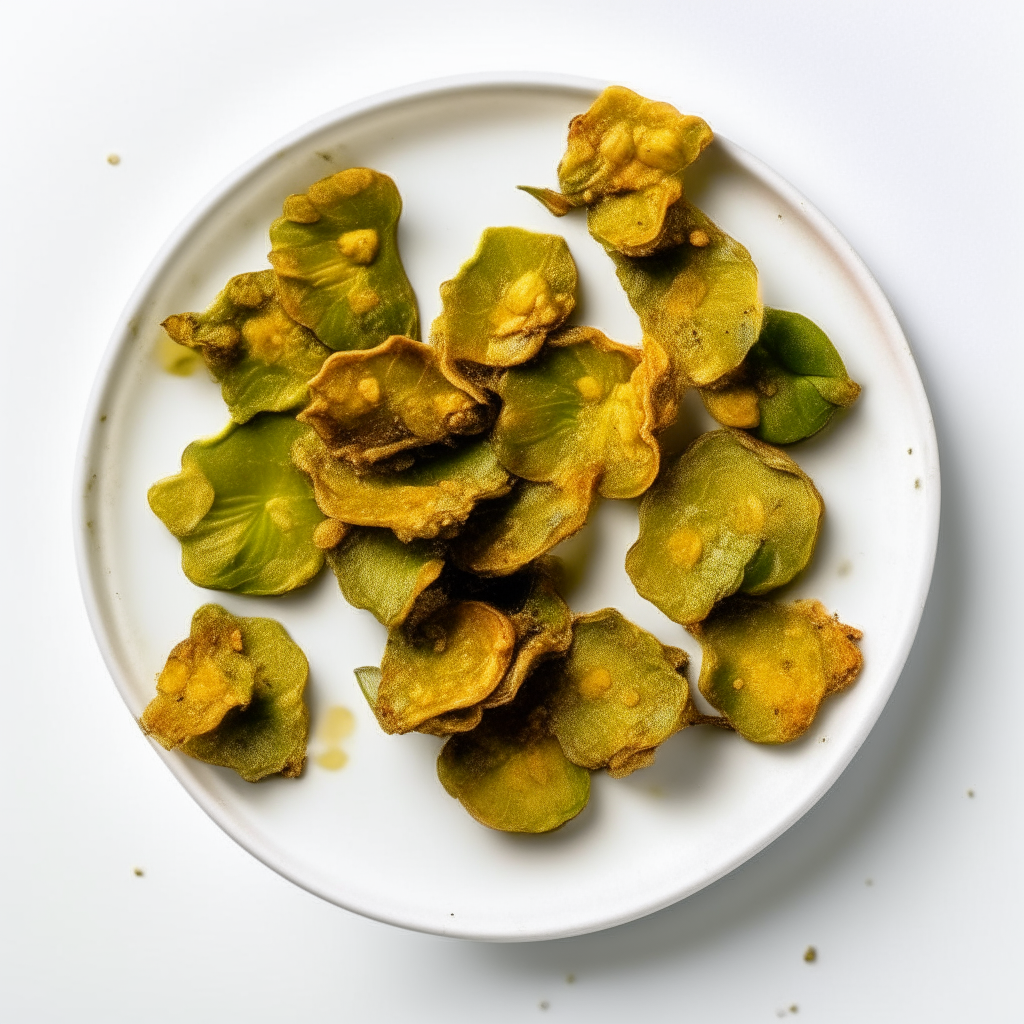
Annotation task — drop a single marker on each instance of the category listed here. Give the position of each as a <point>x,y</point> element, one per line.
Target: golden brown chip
<point>432,498</point>
<point>510,773</point>
<point>369,405</point>
<point>767,667</point>
<point>451,661</point>
<point>617,695</point>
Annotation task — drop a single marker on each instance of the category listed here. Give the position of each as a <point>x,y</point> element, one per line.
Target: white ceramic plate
<point>381,837</point>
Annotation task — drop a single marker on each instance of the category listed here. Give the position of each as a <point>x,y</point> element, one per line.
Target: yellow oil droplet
<point>748,516</point>
<point>339,723</point>
<point>333,759</point>
<point>630,698</point>
<point>113,159</point>
<point>175,358</point>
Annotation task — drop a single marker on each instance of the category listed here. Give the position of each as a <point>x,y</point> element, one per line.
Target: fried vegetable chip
<point>624,162</point>
<point>504,535</point>
<point>335,252</point>
<point>376,571</point>
<point>451,661</point>
<point>698,302</point>
<point>232,695</point>
<point>258,354</point>
<point>767,667</point>
<point>372,404</point>
<point>732,513</point>
<point>269,735</point>
<point>790,384</point>
<point>617,695</point>
<point>574,414</point>
<point>206,676</point>
<point>432,498</point>
<point>516,288</point>
<point>245,516</point>
<point>510,772</point>
<point>541,619</point>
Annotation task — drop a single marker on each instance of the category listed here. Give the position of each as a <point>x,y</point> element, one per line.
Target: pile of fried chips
<point>435,478</point>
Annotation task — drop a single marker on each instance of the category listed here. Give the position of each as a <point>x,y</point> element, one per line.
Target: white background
<point>902,123</point>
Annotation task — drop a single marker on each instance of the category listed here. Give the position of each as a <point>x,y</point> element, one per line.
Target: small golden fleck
<point>544,1004</point>
<point>113,159</point>
<point>369,389</point>
<point>329,534</point>
<point>590,388</point>
<point>138,872</point>
<point>910,451</point>
<point>738,684</point>
<point>629,698</point>
<point>917,484</point>
<point>570,979</point>
<point>236,640</point>
<point>685,547</point>
<point>793,1008</point>
<point>325,156</point>
<point>970,793</point>
<point>810,954</point>
<point>362,300</point>
<point>699,239</point>
<point>360,246</point>
<point>780,216</point>
<point>103,418</point>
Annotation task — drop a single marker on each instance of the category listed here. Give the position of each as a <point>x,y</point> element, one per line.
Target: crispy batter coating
<point>232,695</point>
<point>258,354</point>
<point>767,667</point>
<point>245,516</point>
<point>617,695</point>
<point>516,288</point>
<point>576,413</point>
<point>698,302</point>
<point>450,661</point>
<point>510,772</point>
<point>504,535</point>
<point>371,404</point>
<point>335,253</point>
<point>431,498</point>
<point>790,384</point>
<point>731,513</point>
<point>624,161</point>
<point>206,675</point>
<point>376,571</point>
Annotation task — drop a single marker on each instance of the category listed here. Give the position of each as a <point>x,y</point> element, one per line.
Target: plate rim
<point>91,439</point>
